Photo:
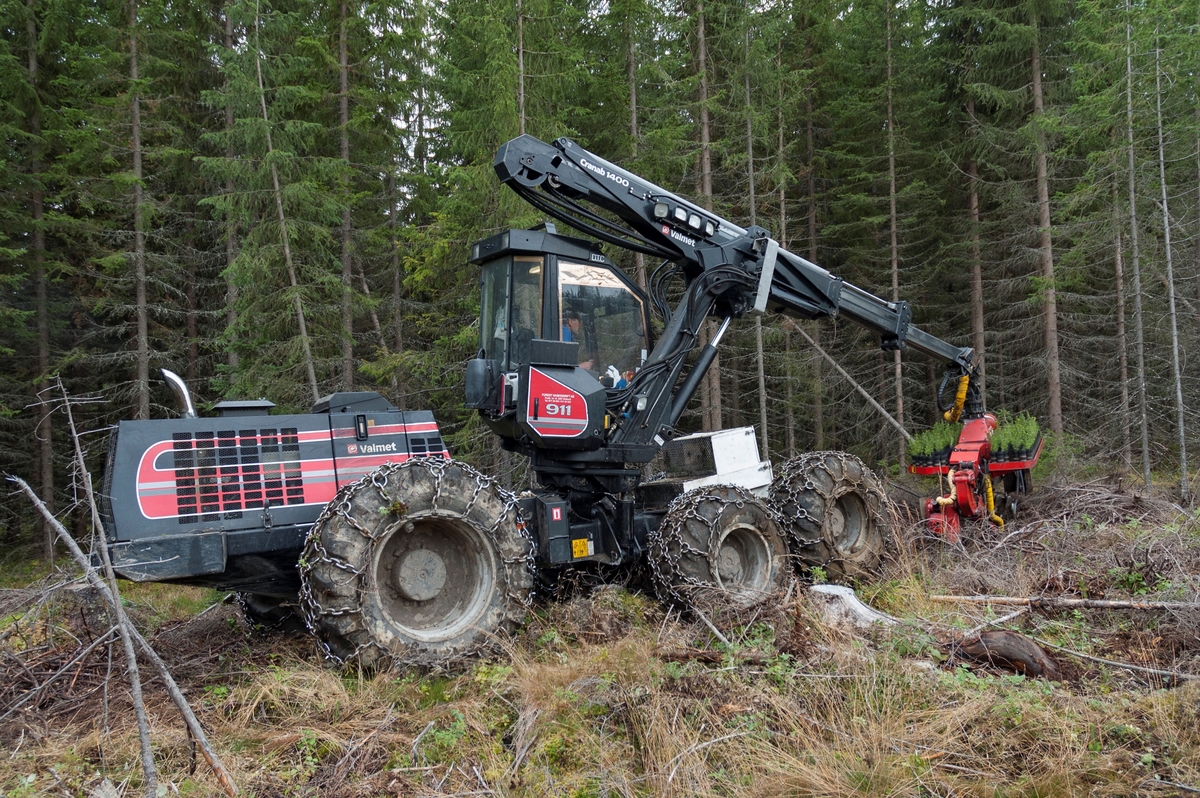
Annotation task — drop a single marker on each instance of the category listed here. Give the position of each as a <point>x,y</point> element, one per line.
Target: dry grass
<point>589,701</point>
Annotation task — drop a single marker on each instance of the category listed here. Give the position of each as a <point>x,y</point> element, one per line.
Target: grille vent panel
<point>218,475</point>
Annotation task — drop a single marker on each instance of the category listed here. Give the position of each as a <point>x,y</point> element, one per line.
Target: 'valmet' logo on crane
<point>678,236</point>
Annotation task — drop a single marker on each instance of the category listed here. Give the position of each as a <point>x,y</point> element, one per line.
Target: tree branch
<point>189,718</point>
<point>1052,601</point>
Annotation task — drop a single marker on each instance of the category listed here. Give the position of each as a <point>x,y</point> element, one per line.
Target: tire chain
<point>341,505</point>
<point>248,615</point>
<point>668,544</point>
<point>794,479</point>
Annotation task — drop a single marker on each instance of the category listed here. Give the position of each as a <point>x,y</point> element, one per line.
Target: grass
<point>586,702</point>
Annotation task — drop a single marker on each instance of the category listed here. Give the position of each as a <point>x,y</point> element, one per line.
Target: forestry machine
<point>356,516</point>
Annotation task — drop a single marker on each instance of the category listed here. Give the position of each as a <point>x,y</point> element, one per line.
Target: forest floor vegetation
<point>605,692</point>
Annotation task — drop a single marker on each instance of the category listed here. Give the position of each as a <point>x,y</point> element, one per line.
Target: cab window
<point>600,312</point>
<point>510,310</point>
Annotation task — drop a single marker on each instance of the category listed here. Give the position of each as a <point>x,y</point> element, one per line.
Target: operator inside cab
<point>606,319</point>
<point>556,296</point>
<point>572,331</point>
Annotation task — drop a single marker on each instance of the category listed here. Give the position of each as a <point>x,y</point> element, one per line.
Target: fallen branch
<point>1175,784</point>
<point>349,759</point>
<point>54,677</point>
<point>709,657</point>
<point>700,614</point>
<point>1052,601</point>
<point>1124,665</point>
<point>696,749</point>
<point>417,742</point>
<point>189,718</point>
<point>975,632</point>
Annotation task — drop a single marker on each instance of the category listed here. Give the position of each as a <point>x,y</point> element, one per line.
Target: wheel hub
<point>421,575</point>
<point>436,576</point>
<point>837,522</point>
<point>729,565</point>
<point>742,562</point>
<point>844,523</point>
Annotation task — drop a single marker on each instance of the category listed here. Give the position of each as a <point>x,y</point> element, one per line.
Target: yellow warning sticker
<point>579,548</point>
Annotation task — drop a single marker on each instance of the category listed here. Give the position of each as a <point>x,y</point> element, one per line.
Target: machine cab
<point>554,306</point>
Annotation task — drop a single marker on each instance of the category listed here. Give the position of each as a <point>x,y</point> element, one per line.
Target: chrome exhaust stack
<point>182,397</point>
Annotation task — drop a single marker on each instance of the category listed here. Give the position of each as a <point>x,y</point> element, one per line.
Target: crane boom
<point>558,177</point>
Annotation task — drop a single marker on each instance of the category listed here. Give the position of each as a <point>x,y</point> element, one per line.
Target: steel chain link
<point>794,486</point>
<point>669,544</point>
<point>316,555</point>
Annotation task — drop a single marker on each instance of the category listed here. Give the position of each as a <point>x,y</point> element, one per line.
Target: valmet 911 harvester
<point>405,555</point>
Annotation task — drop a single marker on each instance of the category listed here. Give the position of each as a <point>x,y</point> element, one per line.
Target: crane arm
<point>559,178</point>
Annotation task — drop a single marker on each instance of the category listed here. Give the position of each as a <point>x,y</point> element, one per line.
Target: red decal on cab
<point>553,409</point>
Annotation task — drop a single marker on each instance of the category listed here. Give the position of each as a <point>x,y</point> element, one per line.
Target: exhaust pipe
<point>182,397</point>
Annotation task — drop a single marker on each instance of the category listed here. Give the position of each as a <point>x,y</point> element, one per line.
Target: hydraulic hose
<point>705,359</point>
<point>955,412</point>
<point>991,505</point>
<point>946,501</point>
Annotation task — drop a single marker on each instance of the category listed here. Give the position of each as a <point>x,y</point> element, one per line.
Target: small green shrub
<point>1018,434</point>
<point>942,436</point>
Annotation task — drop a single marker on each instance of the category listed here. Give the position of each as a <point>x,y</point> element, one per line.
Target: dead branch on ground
<point>1054,601</point>
<point>193,725</point>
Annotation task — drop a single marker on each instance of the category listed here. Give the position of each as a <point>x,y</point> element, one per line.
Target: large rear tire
<point>718,547</point>
<point>421,563</point>
<point>834,511</point>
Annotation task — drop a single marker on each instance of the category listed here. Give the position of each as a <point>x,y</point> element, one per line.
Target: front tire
<point>718,547</point>
<point>422,563</point>
<point>834,510</point>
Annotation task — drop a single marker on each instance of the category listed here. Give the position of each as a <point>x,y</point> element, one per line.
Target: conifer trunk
<point>1050,302</point>
<point>639,260</point>
<point>231,289</point>
<point>1122,346</point>
<point>347,265</point>
<point>780,165</point>
<point>43,430</point>
<point>977,317</point>
<point>190,322</point>
<point>297,304</point>
<point>142,388</point>
<point>898,363</point>
<point>1135,254</point>
<point>711,395</point>
<point>758,333</point>
<point>520,68</point>
<point>818,388</point>
<point>397,284</point>
<point>1176,371</point>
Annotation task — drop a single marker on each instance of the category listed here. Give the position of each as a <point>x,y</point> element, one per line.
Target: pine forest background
<point>276,199</point>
